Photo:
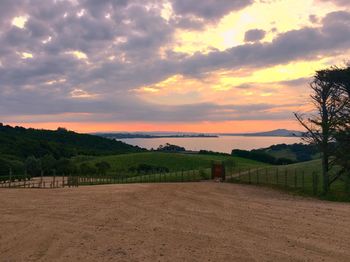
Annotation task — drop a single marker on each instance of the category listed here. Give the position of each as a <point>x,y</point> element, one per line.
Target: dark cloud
<point>254,35</point>
<point>304,81</point>
<point>106,109</point>
<point>209,9</point>
<point>313,19</point>
<point>337,2</point>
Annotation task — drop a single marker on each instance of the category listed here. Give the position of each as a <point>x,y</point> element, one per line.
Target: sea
<point>224,144</point>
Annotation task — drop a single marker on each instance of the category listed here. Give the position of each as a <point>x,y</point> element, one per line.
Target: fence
<point>179,176</point>
<point>25,181</point>
<point>287,178</point>
<point>38,182</point>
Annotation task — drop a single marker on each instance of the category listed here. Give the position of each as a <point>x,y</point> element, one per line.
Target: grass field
<point>172,161</point>
<point>304,178</point>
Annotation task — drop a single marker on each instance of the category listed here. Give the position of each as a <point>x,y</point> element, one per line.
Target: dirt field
<point>170,222</point>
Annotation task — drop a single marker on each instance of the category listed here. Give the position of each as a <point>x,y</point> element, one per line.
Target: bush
<point>33,166</point>
<point>102,167</point>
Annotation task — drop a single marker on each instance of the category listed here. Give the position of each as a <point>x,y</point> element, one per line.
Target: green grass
<point>179,176</point>
<point>298,178</point>
<point>285,153</point>
<point>172,161</point>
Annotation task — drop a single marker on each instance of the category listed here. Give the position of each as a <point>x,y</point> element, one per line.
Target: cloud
<point>254,35</point>
<point>209,9</point>
<point>302,44</point>
<point>337,2</point>
<point>127,45</point>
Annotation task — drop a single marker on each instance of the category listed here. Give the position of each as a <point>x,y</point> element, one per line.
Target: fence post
<point>303,179</point>
<point>54,177</point>
<point>10,173</point>
<point>182,175</point>
<point>347,184</point>
<point>314,183</point>
<point>285,177</point>
<point>25,178</point>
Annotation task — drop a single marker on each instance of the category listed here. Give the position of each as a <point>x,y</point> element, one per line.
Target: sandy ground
<point>170,222</point>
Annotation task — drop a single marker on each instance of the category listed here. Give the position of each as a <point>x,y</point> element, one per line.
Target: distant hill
<point>281,154</point>
<point>18,142</point>
<point>277,132</point>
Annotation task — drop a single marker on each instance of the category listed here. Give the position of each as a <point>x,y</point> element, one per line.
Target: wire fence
<point>59,181</point>
<point>282,177</point>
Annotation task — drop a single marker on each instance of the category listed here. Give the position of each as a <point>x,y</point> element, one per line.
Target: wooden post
<point>303,180</point>
<point>25,178</point>
<point>41,177</point>
<point>182,175</point>
<point>314,183</point>
<point>285,177</point>
<point>10,173</point>
<point>54,177</point>
<point>347,184</point>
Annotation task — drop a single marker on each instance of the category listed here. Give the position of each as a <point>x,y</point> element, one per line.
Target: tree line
<point>20,147</point>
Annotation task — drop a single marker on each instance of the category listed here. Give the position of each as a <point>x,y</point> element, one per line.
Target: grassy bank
<point>172,161</point>
<point>301,178</point>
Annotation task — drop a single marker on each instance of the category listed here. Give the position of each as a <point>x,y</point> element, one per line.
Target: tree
<point>171,148</point>
<point>86,169</point>
<point>48,163</point>
<point>330,107</point>
<point>341,78</point>
<point>33,166</point>
<point>65,166</point>
<point>102,167</point>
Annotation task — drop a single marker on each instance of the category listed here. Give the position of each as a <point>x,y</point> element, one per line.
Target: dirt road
<point>170,222</point>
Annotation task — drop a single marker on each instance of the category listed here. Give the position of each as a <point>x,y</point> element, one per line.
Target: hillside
<point>281,153</point>
<point>171,161</point>
<point>20,143</point>
<point>277,132</point>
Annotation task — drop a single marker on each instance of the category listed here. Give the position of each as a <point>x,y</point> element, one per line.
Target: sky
<point>165,65</point>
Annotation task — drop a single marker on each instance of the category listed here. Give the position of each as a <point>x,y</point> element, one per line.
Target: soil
<point>170,222</point>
